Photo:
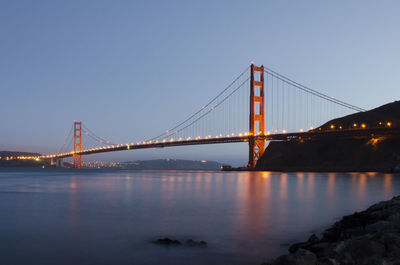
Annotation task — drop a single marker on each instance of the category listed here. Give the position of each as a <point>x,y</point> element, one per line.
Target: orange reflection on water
<point>362,187</point>
<point>359,185</point>
<point>388,185</point>
<point>330,191</point>
<point>300,183</point>
<point>310,185</point>
<point>74,203</point>
<point>283,189</point>
<point>265,174</point>
<point>253,193</point>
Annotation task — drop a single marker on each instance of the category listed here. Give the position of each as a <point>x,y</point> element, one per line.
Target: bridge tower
<point>257,115</point>
<point>77,144</point>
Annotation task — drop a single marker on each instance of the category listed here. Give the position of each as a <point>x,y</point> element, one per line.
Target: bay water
<point>59,216</point>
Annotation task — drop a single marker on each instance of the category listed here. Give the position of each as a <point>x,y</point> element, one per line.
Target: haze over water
<point>111,217</point>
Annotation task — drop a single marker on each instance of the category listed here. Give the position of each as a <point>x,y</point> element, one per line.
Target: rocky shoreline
<point>368,237</point>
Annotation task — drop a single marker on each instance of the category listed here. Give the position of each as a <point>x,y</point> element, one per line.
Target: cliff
<point>333,154</point>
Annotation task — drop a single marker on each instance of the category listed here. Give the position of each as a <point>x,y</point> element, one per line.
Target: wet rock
<point>391,242</point>
<point>396,169</point>
<point>313,239</point>
<point>167,242</point>
<point>379,206</point>
<point>395,218</point>
<point>300,257</point>
<point>380,226</point>
<point>192,243</point>
<point>327,261</point>
<point>323,249</point>
<point>353,232</point>
<point>362,252</point>
<point>305,245</point>
<point>368,237</point>
<point>342,230</point>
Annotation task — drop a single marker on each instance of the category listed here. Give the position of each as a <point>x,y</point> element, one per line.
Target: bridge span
<point>259,105</point>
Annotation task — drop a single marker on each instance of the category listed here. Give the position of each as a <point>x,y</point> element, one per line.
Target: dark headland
<point>6,160</point>
<point>381,154</point>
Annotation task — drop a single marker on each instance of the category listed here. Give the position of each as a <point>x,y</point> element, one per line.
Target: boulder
<point>301,257</point>
<point>192,243</point>
<point>167,242</point>
<point>305,245</point>
<point>391,242</point>
<point>361,251</point>
<point>380,226</point>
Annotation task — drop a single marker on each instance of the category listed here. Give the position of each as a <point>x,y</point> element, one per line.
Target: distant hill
<point>377,154</point>
<point>16,153</point>
<point>20,163</point>
<point>172,164</point>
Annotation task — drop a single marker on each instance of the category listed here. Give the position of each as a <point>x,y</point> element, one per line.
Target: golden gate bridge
<point>259,105</point>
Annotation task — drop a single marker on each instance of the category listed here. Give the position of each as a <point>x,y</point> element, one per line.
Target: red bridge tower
<point>77,144</point>
<point>257,115</point>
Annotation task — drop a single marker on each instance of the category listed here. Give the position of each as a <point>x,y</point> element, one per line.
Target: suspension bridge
<point>259,105</point>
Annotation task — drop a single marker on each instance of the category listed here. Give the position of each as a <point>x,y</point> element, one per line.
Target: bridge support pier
<point>257,115</point>
<point>57,162</point>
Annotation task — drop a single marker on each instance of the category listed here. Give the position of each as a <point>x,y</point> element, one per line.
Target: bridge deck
<point>365,133</point>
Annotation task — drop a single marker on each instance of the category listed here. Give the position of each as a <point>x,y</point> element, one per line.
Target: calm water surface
<point>111,217</point>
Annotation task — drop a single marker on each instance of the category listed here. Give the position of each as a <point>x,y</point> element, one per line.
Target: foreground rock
<point>368,237</point>
<point>174,242</point>
<point>167,242</point>
<point>192,243</point>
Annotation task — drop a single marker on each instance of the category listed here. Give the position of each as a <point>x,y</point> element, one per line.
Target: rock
<point>391,242</point>
<point>305,245</point>
<point>323,249</point>
<point>293,248</point>
<point>353,232</point>
<point>192,243</point>
<point>380,226</point>
<point>362,251</point>
<point>395,218</point>
<point>313,239</point>
<point>301,257</point>
<point>379,206</point>
<point>167,242</point>
<point>396,169</point>
<point>327,261</point>
<point>339,247</point>
<point>342,230</point>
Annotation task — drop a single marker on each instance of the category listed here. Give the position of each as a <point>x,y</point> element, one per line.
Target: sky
<point>131,69</point>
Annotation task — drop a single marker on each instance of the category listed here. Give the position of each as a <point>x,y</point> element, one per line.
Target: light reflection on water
<point>110,217</point>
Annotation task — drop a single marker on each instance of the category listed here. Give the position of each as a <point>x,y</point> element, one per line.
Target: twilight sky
<point>131,69</point>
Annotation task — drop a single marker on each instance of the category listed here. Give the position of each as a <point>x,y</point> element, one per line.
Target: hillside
<point>4,162</point>
<point>4,154</point>
<point>377,117</point>
<point>378,154</point>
